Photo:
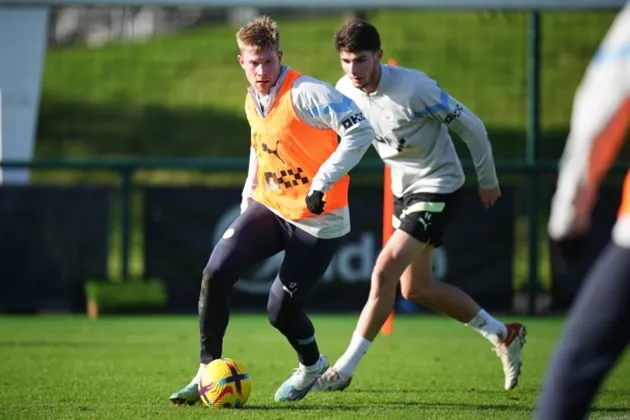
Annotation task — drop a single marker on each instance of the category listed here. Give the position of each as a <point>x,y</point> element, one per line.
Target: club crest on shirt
<point>387,115</point>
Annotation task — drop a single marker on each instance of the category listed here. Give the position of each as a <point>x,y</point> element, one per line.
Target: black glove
<point>315,202</point>
<point>567,251</point>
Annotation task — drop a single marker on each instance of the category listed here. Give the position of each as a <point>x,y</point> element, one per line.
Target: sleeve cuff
<point>319,185</point>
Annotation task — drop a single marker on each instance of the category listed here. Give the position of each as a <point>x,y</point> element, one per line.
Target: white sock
<point>197,377</point>
<point>312,368</point>
<point>494,330</point>
<point>347,364</point>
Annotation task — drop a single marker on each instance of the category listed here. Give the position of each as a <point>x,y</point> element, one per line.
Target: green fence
<point>118,99</point>
<point>127,168</point>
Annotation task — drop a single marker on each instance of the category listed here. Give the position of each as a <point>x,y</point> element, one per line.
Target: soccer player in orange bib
<point>295,200</point>
<point>598,326</point>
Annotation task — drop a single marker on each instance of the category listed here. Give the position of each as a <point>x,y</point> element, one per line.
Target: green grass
<point>183,94</point>
<point>121,368</point>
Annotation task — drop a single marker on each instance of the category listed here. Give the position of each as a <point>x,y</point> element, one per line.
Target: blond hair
<point>259,34</point>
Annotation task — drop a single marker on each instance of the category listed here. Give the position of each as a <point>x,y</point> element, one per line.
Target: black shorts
<point>425,215</point>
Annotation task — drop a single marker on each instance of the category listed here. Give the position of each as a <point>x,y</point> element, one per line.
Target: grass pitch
<point>125,368</point>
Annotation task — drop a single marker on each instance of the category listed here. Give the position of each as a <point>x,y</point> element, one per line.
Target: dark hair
<point>358,35</point>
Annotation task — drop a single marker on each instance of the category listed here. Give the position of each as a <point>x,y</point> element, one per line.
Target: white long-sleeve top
<point>600,116</point>
<point>411,115</point>
<point>319,105</point>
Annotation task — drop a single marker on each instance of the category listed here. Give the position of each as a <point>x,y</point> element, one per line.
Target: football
<point>225,383</point>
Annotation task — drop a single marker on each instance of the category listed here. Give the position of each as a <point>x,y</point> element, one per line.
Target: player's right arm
<point>320,105</point>
<point>432,102</point>
<point>251,181</point>
<point>252,178</point>
<point>599,120</point>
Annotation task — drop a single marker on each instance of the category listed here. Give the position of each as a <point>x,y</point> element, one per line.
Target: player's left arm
<point>431,101</point>
<point>322,106</point>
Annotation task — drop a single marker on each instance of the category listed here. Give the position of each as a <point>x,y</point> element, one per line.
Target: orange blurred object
<point>388,229</point>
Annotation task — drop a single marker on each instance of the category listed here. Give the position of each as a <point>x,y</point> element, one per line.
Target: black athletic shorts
<point>425,215</point>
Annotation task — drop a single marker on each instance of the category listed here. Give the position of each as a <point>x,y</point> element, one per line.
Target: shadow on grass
<point>301,407</point>
<point>342,406</point>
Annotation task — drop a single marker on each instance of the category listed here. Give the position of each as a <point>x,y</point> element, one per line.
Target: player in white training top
<point>597,329</point>
<point>295,199</point>
<point>411,116</point>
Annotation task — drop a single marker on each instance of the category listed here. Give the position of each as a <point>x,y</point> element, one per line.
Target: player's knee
<point>274,310</point>
<point>210,275</point>
<point>281,309</point>
<point>384,282</point>
<point>217,275</point>
<point>213,285</point>
<point>420,291</point>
